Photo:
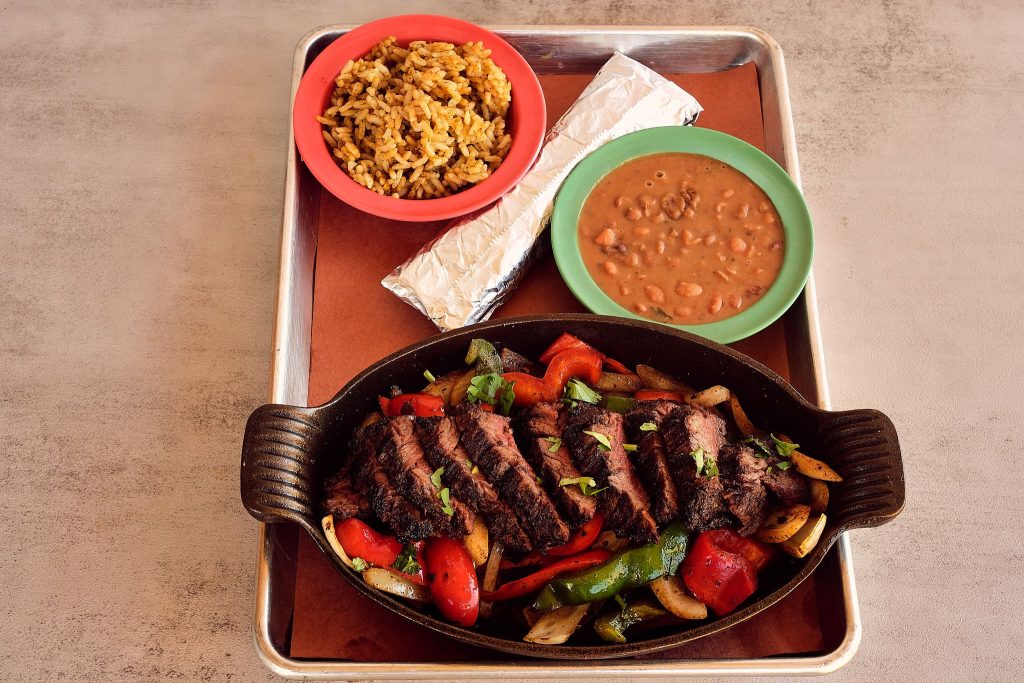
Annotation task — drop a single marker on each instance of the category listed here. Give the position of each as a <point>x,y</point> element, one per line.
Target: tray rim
<point>291,346</point>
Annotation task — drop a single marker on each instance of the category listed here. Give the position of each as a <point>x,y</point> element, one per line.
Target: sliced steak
<point>440,440</point>
<point>387,504</point>
<point>651,460</point>
<point>788,485</point>
<point>625,503</point>
<point>742,473</point>
<point>513,362</point>
<point>488,440</point>
<point>539,431</point>
<point>342,499</point>
<point>684,430</point>
<point>402,457</point>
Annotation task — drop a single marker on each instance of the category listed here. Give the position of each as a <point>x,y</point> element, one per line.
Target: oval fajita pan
<point>287,451</point>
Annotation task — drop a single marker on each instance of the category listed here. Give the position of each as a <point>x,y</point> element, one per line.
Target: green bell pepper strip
<point>629,569</point>
<point>485,356</point>
<point>612,627</point>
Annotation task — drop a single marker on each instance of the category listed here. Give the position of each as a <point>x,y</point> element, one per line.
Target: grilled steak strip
<point>342,499</point>
<point>387,504</point>
<point>625,503</point>
<point>744,493</point>
<point>402,457</point>
<point>650,458</point>
<point>537,428</point>
<point>440,440</point>
<point>701,498</point>
<point>488,440</point>
<point>787,485</point>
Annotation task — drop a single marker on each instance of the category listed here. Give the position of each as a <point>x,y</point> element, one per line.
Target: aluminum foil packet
<point>470,269</point>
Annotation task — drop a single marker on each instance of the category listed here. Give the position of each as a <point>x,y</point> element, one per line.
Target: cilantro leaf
<point>698,459</point>
<point>576,390</point>
<point>648,427</point>
<point>784,448</point>
<point>710,466</point>
<point>604,441</point>
<point>587,484</point>
<point>760,449</point>
<point>555,442</point>
<point>706,464</point>
<point>784,465</point>
<point>359,564</point>
<point>621,601</point>
<point>539,480</point>
<point>629,447</point>
<point>435,478</point>
<point>492,389</point>
<point>446,505</point>
<point>429,376</point>
<point>406,560</point>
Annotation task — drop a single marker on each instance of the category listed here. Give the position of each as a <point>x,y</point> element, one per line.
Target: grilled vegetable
<point>618,404</point>
<point>629,569</point>
<point>710,397</point>
<point>484,357</point>
<point>718,578</point>
<point>461,388</point>
<point>443,386</point>
<point>452,580</point>
<point>612,627</point>
<point>613,381</point>
<point>783,522</point>
<point>582,538</point>
<point>657,395</point>
<point>332,539</point>
<point>815,469</point>
<point>477,542</point>
<point>534,582</point>
<point>392,582</point>
<point>420,405</point>
<point>673,596</point>
<point>360,540</point>
<point>819,495</point>
<point>655,379</point>
<point>584,364</point>
<point>803,541</point>
<point>555,627</point>
<point>739,416</point>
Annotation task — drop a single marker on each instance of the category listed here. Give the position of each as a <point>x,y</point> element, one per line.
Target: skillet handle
<point>863,447</point>
<point>279,474</point>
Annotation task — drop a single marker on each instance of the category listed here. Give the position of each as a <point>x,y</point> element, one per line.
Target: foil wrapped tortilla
<point>461,276</point>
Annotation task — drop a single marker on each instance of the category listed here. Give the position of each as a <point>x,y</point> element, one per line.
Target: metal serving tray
<point>549,49</point>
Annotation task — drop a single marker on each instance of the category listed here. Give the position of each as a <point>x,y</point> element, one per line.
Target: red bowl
<point>527,119</point>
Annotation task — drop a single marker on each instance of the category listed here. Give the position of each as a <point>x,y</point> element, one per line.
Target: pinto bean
<point>716,304</point>
<point>605,238</point>
<point>689,289</point>
<point>655,294</point>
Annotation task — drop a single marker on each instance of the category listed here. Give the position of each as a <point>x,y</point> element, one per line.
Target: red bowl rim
<point>528,113</point>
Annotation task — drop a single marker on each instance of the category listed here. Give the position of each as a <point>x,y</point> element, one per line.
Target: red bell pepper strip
<point>718,578</point>
<point>451,578</point>
<point>359,540</point>
<point>564,343</point>
<point>582,363</point>
<point>534,582</point>
<point>755,552</point>
<point>655,395</point>
<point>529,389</point>
<point>582,539</point>
<point>420,405</point>
<point>420,576</point>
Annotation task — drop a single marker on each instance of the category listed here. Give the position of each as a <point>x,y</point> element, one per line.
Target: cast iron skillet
<point>287,451</point>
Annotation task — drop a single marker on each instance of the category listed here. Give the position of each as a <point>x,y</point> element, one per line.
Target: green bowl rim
<point>749,160</point>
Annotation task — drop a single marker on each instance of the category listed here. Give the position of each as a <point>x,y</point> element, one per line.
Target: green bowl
<point>752,162</point>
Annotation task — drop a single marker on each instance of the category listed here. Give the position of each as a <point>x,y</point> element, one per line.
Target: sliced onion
<point>555,627</point>
<point>673,596</point>
<point>389,582</point>
<point>332,540</point>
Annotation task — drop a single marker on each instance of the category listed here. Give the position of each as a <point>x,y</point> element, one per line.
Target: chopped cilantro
<point>621,601</point>
<point>706,465</point>
<point>648,427</point>
<point>587,484</point>
<point>429,376</point>
<point>406,560</point>
<point>492,389</point>
<point>698,459</point>
<point>710,467</point>
<point>760,449</point>
<point>539,480</point>
<point>576,390</point>
<point>435,478</point>
<point>359,564</point>
<point>475,470</point>
<point>784,465</point>
<point>629,447</point>
<point>784,448</point>
<point>446,506</point>
<point>555,442</point>
<point>604,441</point>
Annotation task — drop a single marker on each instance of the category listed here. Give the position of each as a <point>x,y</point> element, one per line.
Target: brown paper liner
<point>356,322</point>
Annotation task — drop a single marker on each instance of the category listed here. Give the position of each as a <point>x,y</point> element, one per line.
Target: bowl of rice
<point>419,117</point>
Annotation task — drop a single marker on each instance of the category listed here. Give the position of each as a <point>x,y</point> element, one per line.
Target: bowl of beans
<point>683,226</point>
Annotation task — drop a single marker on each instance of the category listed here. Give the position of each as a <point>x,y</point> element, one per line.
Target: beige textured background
<point>141,165</point>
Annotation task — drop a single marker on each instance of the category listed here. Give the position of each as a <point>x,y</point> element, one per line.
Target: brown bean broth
<point>667,236</point>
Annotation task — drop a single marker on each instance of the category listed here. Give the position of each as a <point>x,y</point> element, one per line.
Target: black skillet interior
<point>287,451</point>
